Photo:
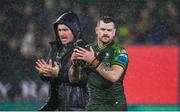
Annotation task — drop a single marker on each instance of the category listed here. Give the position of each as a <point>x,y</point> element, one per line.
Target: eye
<point>102,29</point>
<point>62,29</point>
<point>109,30</point>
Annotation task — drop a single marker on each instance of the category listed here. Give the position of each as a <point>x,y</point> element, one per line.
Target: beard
<point>105,39</point>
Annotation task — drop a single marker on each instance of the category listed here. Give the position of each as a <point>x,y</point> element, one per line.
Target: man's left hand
<point>84,54</point>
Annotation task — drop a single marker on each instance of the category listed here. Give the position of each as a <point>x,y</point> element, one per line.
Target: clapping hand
<point>83,54</point>
<point>47,68</point>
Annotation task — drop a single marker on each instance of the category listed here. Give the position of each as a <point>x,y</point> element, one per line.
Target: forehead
<point>106,25</point>
<point>62,26</point>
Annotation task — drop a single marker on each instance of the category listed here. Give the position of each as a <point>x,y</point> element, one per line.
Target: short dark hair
<point>107,19</point>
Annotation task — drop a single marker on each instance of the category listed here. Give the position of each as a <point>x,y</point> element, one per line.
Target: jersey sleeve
<point>120,58</point>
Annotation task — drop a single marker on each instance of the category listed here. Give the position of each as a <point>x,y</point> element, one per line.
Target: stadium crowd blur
<point>26,29</point>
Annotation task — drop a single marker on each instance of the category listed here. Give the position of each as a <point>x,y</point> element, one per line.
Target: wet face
<point>105,32</point>
<point>65,34</point>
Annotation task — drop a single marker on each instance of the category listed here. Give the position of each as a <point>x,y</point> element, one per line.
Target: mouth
<point>105,37</point>
<point>63,38</point>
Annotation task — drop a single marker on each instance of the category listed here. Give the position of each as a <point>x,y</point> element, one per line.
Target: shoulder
<point>119,49</point>
<point>93,44</point>
<point>120,56</point>
<point>53,44</point>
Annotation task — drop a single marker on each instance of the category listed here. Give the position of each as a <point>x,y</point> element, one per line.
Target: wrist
<point>95,63</point>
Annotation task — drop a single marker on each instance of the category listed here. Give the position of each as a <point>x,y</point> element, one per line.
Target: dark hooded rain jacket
<point>64,95</point>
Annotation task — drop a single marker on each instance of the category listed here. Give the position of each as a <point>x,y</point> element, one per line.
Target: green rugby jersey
<point>106,95</point>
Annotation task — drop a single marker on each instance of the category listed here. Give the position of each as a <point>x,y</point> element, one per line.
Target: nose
<point>105,32</point>
<point>61,33</point>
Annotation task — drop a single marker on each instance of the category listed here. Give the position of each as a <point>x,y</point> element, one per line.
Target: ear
<point>96,30</point>
<point>114,32</point>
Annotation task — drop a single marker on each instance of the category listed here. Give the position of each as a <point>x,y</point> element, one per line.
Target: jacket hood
<point>71,20</point>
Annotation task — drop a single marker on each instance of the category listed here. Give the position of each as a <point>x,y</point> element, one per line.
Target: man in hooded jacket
<point>63,95</point>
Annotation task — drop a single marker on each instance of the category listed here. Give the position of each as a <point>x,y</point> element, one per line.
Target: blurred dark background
<point>26,29</point>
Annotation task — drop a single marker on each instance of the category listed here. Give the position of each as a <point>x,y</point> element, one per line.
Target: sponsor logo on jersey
<point>122,58</point>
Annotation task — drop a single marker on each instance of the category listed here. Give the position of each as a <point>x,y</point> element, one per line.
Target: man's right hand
<point>47,69</point>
